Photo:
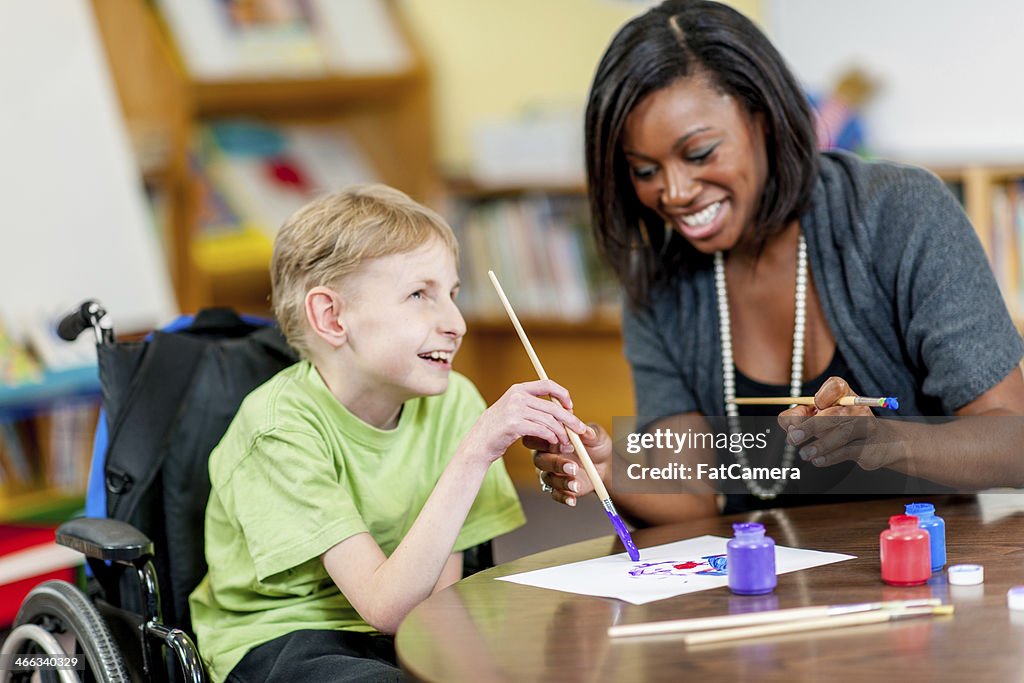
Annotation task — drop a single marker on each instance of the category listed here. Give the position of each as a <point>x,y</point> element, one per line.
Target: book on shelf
<point>225,39</point>
<point>15,469</point>
<point>51,447</point>
<point>540,248</point>
<point>252,176</point>
<point>64,436</point>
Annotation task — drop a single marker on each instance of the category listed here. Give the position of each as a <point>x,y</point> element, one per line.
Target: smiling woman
<point>756,266</point>
<point>697,161</point>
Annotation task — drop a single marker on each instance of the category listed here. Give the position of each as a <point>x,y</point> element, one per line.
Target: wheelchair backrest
<point>178,395</point>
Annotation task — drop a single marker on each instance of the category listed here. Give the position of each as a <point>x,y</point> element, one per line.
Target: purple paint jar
<point>750,560</point>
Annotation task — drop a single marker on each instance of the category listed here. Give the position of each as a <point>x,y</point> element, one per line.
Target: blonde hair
<point>331,237</point>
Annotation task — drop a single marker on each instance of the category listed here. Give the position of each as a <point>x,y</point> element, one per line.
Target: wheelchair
<point>166,402</point>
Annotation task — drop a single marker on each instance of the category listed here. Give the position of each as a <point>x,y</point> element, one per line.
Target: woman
<point>755,266</point>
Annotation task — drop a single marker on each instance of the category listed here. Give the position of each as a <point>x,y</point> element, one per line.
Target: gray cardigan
<point>904,282</point>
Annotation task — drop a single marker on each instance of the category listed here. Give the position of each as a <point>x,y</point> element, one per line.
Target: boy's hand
<point>561,469</point>
<point>524,411</point>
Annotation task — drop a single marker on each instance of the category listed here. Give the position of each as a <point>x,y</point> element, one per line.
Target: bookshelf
<point>46,430</point>
<point>387,115</point>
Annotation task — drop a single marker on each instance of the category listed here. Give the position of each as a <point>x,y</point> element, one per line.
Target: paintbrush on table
<point>799,625</point>
<point>725,621</point>
<point>581,451</point>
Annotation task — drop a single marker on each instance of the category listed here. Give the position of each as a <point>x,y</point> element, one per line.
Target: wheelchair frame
<point>57,616</point>
<point>57,610</point>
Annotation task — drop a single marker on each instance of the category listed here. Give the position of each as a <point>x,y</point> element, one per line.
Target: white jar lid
<point>1015,598</point>
<point>966,574</point>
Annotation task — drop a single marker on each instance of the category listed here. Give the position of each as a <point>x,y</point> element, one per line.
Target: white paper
<point>663,571</point>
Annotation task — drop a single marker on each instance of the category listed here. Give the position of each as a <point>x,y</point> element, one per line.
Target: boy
<point>347,486</point>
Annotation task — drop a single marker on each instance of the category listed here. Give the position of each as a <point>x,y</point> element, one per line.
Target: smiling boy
<point>347,486</point>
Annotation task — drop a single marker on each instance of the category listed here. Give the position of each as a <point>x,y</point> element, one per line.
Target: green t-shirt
<point>295,474</point>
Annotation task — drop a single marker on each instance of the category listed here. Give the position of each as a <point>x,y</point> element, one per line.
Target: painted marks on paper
<point>708,565</point>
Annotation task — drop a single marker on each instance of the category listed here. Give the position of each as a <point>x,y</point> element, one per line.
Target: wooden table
<point>487,630</point>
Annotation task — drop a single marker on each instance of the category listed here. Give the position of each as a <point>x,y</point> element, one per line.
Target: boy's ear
<point>323,312</point>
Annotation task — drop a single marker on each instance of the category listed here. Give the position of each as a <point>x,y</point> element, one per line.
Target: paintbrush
<point>890,402</point>
<point>821,623</point>
<point>654,628</point>
<point>581,451</point>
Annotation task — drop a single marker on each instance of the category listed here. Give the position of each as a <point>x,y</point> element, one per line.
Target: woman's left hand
<point>828,433</point>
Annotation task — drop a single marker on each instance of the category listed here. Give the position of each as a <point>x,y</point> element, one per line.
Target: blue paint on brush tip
<point>892,403</point>
<point>623,532</point>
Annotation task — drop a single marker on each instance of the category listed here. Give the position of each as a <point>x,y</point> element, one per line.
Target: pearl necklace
<point>729,368</point>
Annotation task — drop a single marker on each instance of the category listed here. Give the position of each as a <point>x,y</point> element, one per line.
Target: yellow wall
<point>495,58</point>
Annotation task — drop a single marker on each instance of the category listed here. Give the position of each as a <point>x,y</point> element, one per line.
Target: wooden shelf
<point>302,96</point>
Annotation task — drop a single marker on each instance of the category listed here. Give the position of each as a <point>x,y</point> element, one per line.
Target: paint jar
<point>750,560</point>
<point>936,528</point>
<point>906,552</point>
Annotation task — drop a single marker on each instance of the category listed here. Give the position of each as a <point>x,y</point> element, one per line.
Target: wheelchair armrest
<point>105,539</point>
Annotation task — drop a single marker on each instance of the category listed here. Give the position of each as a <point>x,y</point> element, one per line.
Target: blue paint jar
<point>936,528</point>
<point>750,560</point>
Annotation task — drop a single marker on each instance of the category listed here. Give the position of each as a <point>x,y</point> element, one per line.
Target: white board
<point>950,70</point>
<point>73,217</point>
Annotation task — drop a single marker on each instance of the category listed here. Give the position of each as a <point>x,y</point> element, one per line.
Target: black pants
<point>313,655</point>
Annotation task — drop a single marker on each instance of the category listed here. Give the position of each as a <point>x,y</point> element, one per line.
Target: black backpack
<point>168,402</point>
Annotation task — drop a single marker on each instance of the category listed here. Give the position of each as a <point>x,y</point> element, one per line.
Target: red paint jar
<point>906,552</point>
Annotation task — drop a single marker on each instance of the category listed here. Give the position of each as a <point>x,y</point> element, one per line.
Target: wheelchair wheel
<point>64,613</point>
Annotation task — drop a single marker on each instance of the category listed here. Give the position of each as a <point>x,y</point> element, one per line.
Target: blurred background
<point>153,147</point>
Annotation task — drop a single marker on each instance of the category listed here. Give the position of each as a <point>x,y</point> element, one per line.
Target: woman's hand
<point>523,411</point>
<point>560,468</point>
<point>828,433</point>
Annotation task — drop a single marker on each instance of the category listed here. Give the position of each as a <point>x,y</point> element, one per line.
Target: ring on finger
<point>544,486</point>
